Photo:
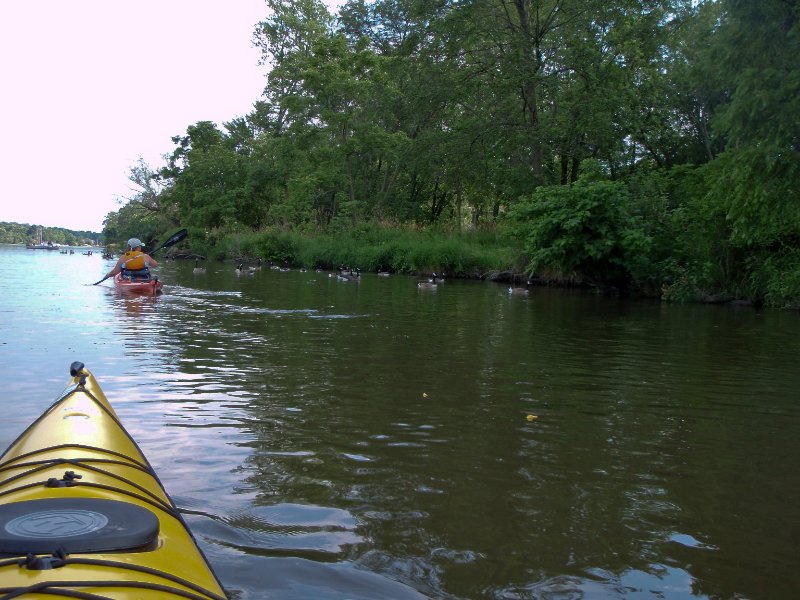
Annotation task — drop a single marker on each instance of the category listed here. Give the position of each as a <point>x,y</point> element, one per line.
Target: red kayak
<point>126,283</point>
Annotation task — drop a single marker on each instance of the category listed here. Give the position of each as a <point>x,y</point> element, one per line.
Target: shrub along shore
<point>485,254</point>
<point>473,255</point>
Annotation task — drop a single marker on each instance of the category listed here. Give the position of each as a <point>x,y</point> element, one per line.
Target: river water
<point>329,439</point>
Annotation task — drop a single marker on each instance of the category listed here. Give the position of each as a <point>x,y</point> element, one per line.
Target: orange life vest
<point>134,260</point>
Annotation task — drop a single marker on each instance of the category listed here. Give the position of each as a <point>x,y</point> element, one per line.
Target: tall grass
<point>370,248</point>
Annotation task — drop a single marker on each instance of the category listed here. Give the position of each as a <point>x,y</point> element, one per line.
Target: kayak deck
<point>83,514</point>
<point>150,285</point>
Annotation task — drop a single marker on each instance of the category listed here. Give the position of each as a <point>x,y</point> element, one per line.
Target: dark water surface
<point>369,440</point>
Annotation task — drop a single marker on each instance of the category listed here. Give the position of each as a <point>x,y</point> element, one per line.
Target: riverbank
<point>469,255</point>
<point>485,254</point>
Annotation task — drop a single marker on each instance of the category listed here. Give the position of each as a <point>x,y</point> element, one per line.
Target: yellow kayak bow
<point>83,514</point>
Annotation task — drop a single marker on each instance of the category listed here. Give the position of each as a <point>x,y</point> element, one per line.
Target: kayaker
<point>133,260</point>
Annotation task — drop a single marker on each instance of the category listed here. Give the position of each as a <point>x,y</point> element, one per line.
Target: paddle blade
<point>174,239</point>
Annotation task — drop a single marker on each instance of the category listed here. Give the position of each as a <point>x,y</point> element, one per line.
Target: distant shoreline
<point>67,246</point>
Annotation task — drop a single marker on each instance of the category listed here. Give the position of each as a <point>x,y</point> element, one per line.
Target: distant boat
<point>40,244</point>
<point>47,246</point>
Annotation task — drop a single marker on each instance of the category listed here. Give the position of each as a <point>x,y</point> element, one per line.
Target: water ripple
<point>336,437</point>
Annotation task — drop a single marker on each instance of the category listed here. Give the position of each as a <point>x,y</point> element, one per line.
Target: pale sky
<point>88,86</point>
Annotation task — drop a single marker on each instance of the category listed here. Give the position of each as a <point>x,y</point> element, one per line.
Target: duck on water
<point>349,275</point>
<point>430,283</point>
<point>240,270</point>
<point>519,291</point>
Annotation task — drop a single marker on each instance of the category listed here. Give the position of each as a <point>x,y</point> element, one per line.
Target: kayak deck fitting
<point>83,514</point>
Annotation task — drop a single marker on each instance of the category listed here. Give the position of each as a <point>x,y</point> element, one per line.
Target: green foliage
<point>18,233</point>
<point>584,229</point>
<point>713,238</point>
<point>132,220</point>
<point>781,279</point>
<point>370,248</point>
<point>277,246</point>
<point>660,139</point>
<point>756,51</point>
<point>680,224</point>
<point>758,187</point>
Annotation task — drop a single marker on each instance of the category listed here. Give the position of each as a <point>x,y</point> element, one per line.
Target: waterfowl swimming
<point>351,276</point>
<point>519,291</point>
<point>255,267</point>
<point>429,284</point>
<point>240,270</point>
<point>198,270</point>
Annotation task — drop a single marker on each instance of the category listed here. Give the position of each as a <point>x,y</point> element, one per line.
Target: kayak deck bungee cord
<point>83,514</point>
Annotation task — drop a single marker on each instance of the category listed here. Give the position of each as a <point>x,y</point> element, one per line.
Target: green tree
<point>586,231</point>
<point>754,184</point>
<point>757,47</point>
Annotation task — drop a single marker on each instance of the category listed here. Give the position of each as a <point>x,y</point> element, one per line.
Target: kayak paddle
<point>174,239</point>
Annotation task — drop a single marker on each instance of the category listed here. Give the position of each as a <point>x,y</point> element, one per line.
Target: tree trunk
<point>458,208</point>
<point>389,180</point>
<point>703,127</point>
<point>434,200</point>
<point>532,58</point>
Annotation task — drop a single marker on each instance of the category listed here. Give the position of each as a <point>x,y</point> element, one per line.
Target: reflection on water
<point>328,440</point>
